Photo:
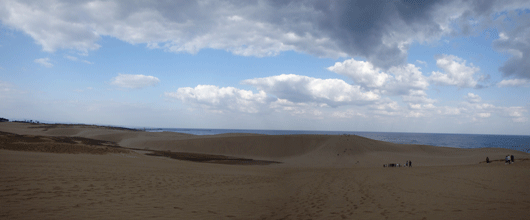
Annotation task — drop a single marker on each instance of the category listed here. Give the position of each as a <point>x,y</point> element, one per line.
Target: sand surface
<point>77,172</point>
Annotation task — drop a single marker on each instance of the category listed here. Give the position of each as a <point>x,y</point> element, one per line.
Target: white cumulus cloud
<point>221,99</point>
<point>417,97</point>
<point>448,110</point>
<point>475,107</point>
<point>302,89</point>
<point>398,80</point>
<point>347,114</point>
<point>405,80</point>
<point>456,72</point>
<point>421,62</point>
<point>473,98</point>
<point>514,83</point>
<point>361,72</point>
<point>134,81</point>
<point>293,94</point>
<point>72,58</point>
<point>44,62</point>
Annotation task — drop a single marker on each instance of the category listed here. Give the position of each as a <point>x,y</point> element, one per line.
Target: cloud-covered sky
<point>402,66</point>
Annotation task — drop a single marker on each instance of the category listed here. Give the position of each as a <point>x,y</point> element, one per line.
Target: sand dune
<point>294,150</point>
<point>320,177</point>
<point>53,144</point>
<point>135,186</point>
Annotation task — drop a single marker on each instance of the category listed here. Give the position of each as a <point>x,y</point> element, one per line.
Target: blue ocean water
<point>515,142</point>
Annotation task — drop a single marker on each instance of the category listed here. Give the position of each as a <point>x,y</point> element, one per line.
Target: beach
<point>87,172</point>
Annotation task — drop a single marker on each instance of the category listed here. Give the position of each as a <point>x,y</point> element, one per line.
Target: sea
<point>514,142</point>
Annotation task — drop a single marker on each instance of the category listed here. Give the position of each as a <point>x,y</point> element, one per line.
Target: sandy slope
<point>292,150</point>
<point>321,177</point>
<point>135,186</point>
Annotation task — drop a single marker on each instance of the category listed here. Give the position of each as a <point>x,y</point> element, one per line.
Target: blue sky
<point>392,66</point>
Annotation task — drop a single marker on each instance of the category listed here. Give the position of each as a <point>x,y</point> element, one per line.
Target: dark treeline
<point>24,121</point>
<point>29,121</point>
<point>50,125</point>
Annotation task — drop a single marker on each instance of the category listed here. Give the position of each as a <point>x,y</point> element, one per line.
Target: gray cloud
<point>379,31</point>
<point>517,43</point>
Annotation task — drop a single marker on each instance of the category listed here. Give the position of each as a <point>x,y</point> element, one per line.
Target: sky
<point>386,66</point>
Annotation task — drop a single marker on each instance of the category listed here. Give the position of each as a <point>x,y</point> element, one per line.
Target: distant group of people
<point>509,159</point>
<point>407,164</point>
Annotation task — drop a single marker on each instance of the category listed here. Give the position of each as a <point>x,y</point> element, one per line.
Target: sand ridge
<point>79,145</point>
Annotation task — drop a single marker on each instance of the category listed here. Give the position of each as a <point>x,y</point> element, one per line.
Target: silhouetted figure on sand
<point>487,160</point>
<point>512,158</point>
<point>410,163</point>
